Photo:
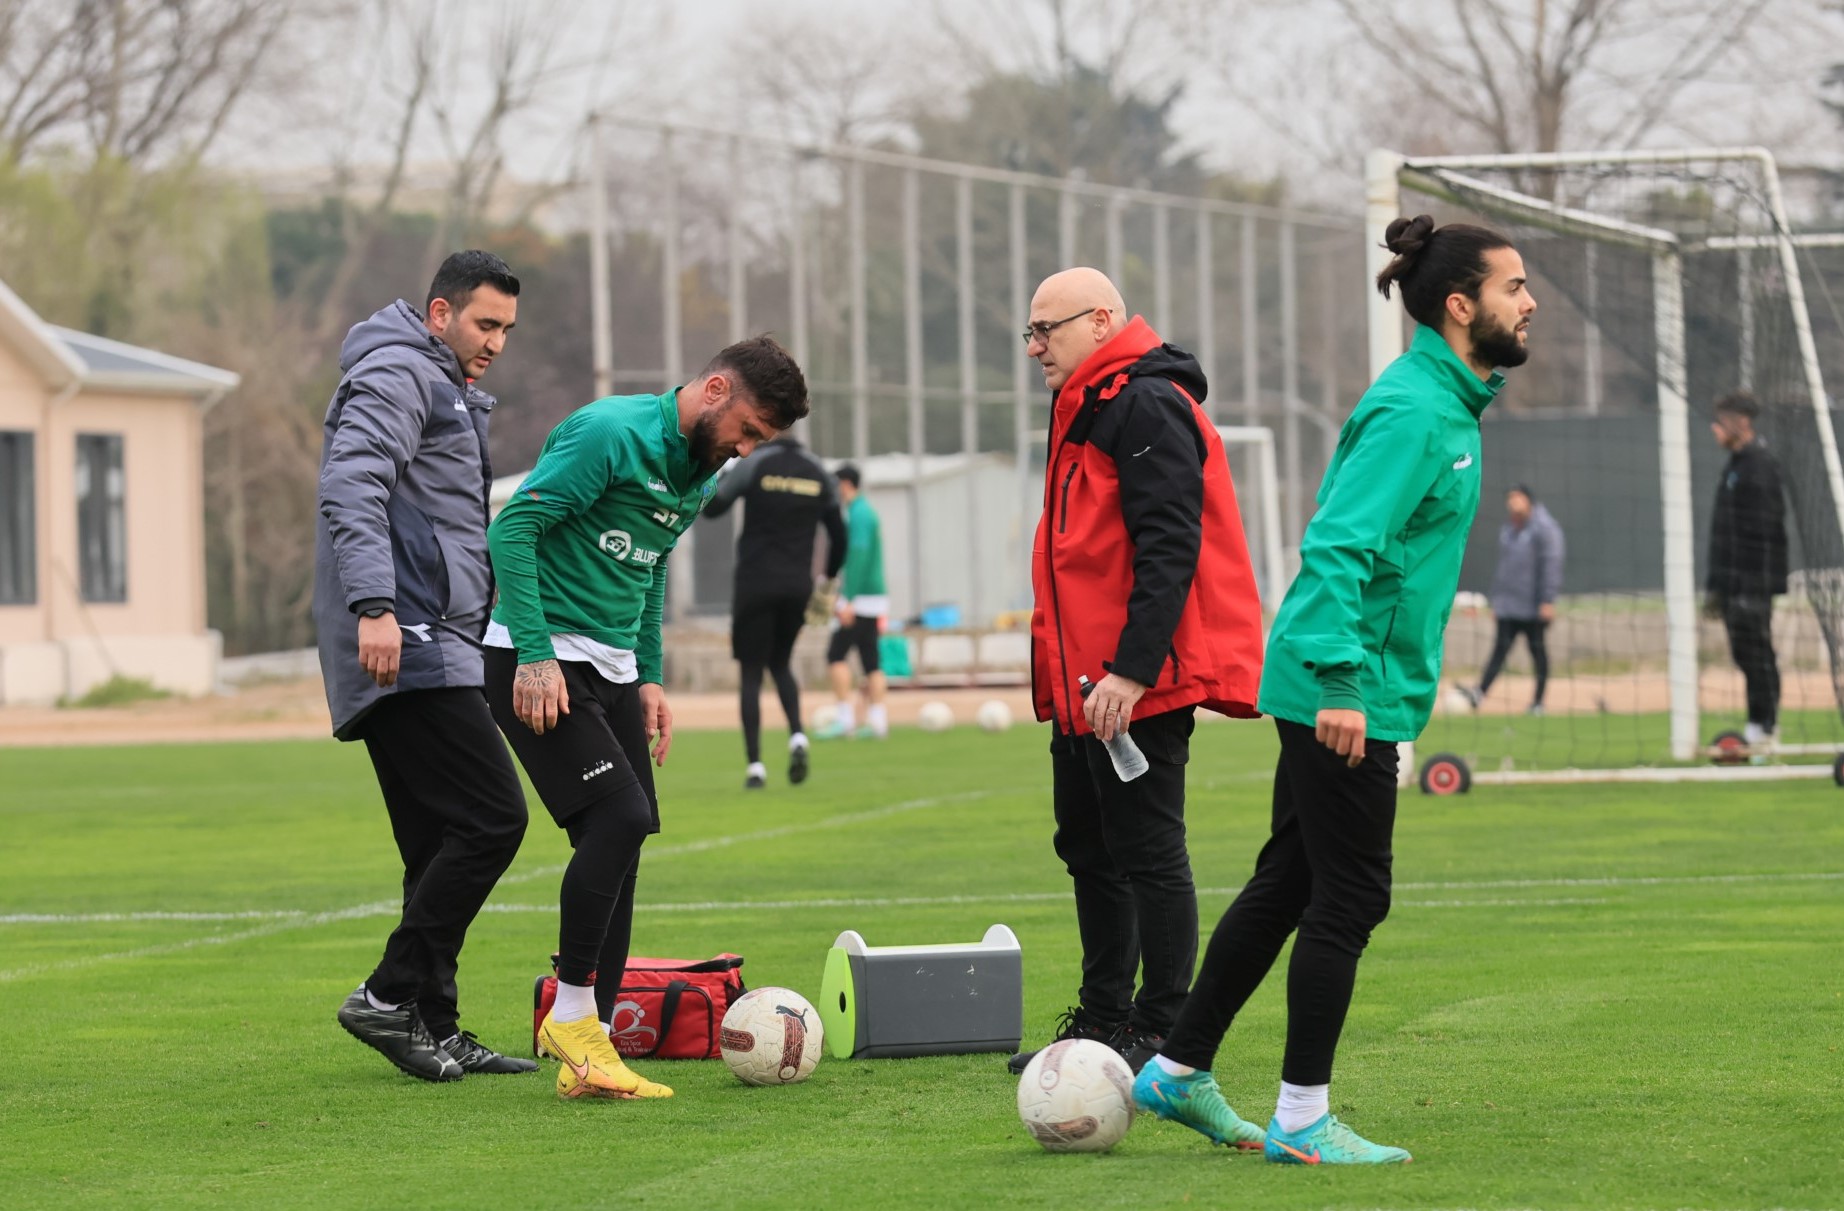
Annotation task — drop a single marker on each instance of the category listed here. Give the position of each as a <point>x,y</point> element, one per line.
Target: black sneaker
<point>797,765</point>
<point>399,1036</point>
<point>1074,1024</point>
<point>1138,1046</point>
<point>754,781</point>
<point>475,1056</point>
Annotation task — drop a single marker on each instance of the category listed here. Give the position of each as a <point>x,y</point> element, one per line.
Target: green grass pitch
<point>1584,997</point>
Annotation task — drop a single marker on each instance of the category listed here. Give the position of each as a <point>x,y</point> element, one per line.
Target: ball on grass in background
<point>822,719</point>
<point>994,716</point>
<point>771,1036</point>
<point>935,717</point>
<point>1076,1096</point>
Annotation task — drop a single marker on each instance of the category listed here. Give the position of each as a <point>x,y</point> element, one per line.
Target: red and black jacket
<point>1140,565</point>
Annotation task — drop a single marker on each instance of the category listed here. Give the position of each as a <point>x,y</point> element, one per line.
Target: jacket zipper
<point>1062,521</point>
<point>1056,603</point>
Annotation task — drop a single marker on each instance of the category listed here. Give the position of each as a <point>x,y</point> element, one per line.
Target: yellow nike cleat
<point>591,1065</point>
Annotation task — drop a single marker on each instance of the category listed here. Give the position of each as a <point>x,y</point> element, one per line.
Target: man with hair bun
<point>1353,664</point>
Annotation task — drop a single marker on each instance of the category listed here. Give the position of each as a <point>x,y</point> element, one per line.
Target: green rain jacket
<point>1360,628</point>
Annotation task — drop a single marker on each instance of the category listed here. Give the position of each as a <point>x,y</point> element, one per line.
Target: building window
<point>102,541</point>
<point>18,521</point>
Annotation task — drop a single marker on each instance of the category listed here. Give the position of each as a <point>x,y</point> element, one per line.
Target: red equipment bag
<point>665,1009</point>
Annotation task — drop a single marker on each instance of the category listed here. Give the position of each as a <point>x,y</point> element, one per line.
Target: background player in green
<point>574,652</point>
<point>862,604</point>
<point>1354,660</point>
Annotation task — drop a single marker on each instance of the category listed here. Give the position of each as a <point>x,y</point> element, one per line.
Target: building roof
<point>71,359</point>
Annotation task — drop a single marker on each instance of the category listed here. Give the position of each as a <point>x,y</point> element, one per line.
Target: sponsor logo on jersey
<point>792,484</point>
<point>620,544</point>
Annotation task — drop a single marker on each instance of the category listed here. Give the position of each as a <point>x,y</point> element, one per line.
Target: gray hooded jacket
<point>1529,566</point>
<point>404,480</point>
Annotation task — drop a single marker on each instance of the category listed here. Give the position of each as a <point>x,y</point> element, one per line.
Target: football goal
<point>1665,281</point>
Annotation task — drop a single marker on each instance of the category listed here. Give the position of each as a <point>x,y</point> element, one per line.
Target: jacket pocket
<point>421,569</point>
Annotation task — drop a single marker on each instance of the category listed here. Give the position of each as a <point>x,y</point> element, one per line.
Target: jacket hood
<point>1136,351</point>
<point>397,324</point>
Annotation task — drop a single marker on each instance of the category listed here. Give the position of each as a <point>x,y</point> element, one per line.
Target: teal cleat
<point>1327,1142</point>
<point>1196,1102</point>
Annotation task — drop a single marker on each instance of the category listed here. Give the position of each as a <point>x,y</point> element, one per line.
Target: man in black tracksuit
<point>790,496</point>
<point>1747,563</point>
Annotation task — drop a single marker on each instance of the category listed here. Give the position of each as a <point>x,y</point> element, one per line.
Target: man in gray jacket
<point>1524,589</point>
<point>402,589</point>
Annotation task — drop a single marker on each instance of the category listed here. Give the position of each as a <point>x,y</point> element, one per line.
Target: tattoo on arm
<point>538,675</point>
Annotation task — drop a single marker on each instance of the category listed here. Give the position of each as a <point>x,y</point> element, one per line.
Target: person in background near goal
<point>1142,584</point>
<point>860,608</point>
<point>1353,666</point>
<point>1524,589</point>
<point>789,495</point>
<point>402,587</point>
<point>1748,558</point>
<point>574,656</point>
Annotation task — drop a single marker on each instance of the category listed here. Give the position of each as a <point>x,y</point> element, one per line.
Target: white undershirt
<point>615,664</point>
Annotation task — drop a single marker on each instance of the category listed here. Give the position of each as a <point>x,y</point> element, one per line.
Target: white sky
<point>1264,90</point>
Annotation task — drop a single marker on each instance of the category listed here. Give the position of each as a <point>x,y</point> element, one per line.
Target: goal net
<point>1664,282</point>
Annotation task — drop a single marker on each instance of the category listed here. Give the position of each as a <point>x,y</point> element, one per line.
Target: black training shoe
<point>399,1036</point>
<point>475,1056</point>
<point>1138,1046</point>
<point>797,765</point>
<point>753,781</point>
<point>1074,1024</point>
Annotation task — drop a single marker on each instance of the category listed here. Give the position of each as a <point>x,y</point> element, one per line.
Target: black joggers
<point>1124,845</point>
<point>458,814</point>
<point>1750,623</point>
<point>1325,870</point>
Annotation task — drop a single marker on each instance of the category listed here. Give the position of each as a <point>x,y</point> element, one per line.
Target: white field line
<point>294,916</point>
<point>293,920</point>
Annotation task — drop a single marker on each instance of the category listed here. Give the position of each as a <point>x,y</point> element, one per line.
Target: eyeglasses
<point>1041,330</point>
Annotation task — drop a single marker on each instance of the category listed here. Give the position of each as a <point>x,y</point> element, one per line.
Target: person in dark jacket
<point>788,496</point>
<point>1143,586</point>
<point>402,589</point>
<point>1524,589</point>
<point>1747,565</point>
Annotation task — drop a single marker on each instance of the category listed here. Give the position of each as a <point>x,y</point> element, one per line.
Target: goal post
<point>1258,490</point>
<point>1660,215</point>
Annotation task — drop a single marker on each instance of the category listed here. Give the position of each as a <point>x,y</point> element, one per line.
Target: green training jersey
<point>864,551</point>
<point>581,548</point>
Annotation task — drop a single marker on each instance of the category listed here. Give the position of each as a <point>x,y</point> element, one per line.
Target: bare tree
<point>134,80</point>
<point>1325,80</point>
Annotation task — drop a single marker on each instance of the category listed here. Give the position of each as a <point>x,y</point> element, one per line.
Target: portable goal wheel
<point>1729,748</point>
<point>1445,774</point>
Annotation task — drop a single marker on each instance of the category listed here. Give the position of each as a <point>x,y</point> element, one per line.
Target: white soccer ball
<point>1076,1096</point>
<point>935,717</point>
<point>771,1036</point>
<point>994,716</point>
<point>823,718</point>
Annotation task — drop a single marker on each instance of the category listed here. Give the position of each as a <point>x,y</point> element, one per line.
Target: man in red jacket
<point>1143,585</point>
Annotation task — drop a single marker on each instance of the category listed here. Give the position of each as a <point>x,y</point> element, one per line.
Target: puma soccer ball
<point>771,1036</point>
<point>994,716</point>
<point>935,717</point>
<point>1076,1096</point>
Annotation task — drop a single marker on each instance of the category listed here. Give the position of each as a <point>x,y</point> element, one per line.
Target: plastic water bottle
<point>1129,761</point>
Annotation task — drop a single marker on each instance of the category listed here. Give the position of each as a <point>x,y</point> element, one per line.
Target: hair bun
<point>1406,237</point>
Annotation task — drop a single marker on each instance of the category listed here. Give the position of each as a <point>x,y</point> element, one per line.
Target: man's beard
<point>702,441</point>
<point>1494,344</point>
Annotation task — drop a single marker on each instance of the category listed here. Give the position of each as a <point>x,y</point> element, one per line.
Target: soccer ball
<point>771,1036</point>
<point>824,717</point>
<point>1076,1096</point>
<point>994,716</point>
<point>935,717</point>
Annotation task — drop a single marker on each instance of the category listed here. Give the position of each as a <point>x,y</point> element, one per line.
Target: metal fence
<point>901,284</point>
